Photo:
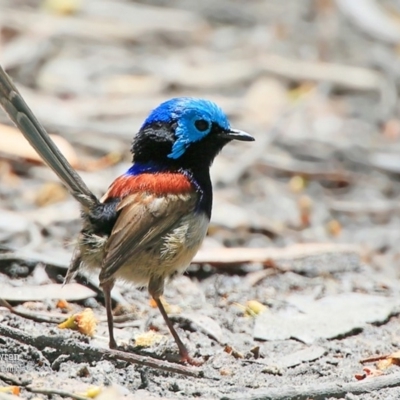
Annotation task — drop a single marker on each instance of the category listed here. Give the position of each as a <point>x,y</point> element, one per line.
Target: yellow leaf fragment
<point>384,364</point>
<point>305,89</point>
<point>254,307</point>
<point>169,308</point>
<point>84,322</point>
<point>147,339</point>
<point>224,371</point>
<point>396,357</point>
<point>388,361</point>
<point>334,227</point>
<point>62,7</point>
<point>10,389</point>
<point>92,392</point>
<point>297,183</point>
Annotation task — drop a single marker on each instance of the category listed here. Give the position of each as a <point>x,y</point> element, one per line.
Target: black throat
<point>153,144</point>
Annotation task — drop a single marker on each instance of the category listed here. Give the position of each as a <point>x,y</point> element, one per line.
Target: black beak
<point>234,134</point>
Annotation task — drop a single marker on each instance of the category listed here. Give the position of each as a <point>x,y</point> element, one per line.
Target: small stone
<point>272,370</point>
<point>225,371</point>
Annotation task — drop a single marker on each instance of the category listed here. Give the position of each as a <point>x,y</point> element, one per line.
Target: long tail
<point>22,116</point>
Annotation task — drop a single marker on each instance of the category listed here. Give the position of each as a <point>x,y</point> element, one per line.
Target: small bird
<point>152,220</point>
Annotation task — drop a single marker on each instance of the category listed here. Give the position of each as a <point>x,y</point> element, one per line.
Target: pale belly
<point>172,254</point>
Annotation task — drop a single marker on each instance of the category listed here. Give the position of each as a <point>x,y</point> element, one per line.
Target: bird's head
<point>184,131</point>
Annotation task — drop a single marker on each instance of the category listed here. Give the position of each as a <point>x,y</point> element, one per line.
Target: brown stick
<point>64,346</point>
<point>322,391</point>
<point>374,358</point>
<point>59,392</point>
<point>34,316</point>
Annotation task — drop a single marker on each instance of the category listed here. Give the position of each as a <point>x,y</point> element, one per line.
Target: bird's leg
<point>107,287</point>
<point>182,348</point>
<point>156,288</point>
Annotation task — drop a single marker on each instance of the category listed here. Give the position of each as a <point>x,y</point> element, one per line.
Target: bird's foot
<point>112,344</point>
<point>185,358</point>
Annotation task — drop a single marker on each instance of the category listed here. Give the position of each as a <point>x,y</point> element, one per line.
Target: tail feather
<point>19,112</point>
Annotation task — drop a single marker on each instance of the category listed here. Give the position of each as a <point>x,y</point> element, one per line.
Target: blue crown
<point>185,111</point>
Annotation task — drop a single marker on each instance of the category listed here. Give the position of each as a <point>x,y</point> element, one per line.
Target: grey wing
<point>143,220</point>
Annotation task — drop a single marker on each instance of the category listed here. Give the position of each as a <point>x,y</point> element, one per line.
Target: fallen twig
<point>339,75</point>
<point>105,29</point>
<point>371,17</point>
<point>68,292</point>
<point>13,143</point>
<point>50,392</point>
<point>68,346</point>
<point>226,256</point>
<point>378,207</point>
<point>51,318</point>
<point>323,391</point>
<point>308,169</point>
<point>374,358</point>
<point>13,380</point>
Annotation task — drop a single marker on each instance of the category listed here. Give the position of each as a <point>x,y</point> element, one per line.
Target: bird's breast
<point>158,184</point>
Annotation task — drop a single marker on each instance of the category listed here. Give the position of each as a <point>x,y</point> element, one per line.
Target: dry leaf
<point>237,255</point>
<point>388,361</point>
<point>13,142</point>
<point>104,162</point>
<point>50,193</point>
<point>265,101</point>
<point>7,175</point>
<point>230,350</point>
<point>31,293</point>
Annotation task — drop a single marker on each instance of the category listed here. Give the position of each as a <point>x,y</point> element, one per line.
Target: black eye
<point>201,125</point>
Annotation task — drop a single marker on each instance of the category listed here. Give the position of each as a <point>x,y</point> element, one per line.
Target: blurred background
<point>315,81</point>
